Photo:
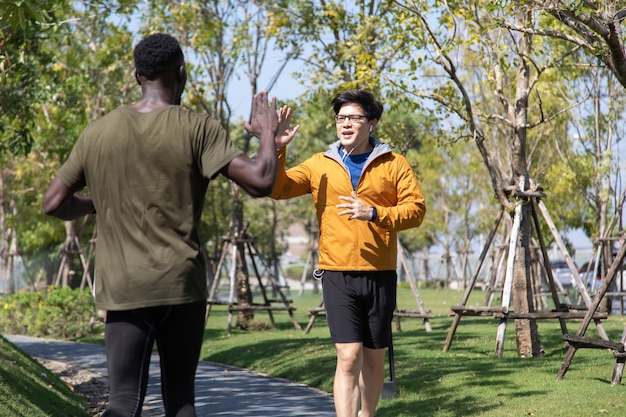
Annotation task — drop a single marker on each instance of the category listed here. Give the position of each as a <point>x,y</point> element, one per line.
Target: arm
<point>257,176</point>
<point>59,201</point>
<point>410,207</point>
<point>296,181</point>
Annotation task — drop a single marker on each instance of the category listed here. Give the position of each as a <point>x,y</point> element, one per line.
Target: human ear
<point>182,73</point>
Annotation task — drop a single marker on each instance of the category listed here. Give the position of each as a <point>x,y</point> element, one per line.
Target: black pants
<point>129,338</point>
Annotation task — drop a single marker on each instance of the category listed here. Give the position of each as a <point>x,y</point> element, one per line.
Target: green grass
<point>28,389</point>
<point>466,381</point>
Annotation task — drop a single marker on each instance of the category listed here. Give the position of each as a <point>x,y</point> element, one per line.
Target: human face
<point>354,135</point>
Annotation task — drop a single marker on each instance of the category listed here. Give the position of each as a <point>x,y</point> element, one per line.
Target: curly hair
<point>372,108</point>
<point>156,53</point>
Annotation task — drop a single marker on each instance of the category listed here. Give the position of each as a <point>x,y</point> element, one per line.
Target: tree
<point>460,210</point>
<point>349,44</point>
<point>588,171</point>
<point>596,27</point>
<point>223,36</point>
<point>23,61</point>
<point>514,67</point>
<point>86,77</point>
<point>24,18</point>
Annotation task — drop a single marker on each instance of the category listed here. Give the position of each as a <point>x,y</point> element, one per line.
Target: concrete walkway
<point>221,390</point>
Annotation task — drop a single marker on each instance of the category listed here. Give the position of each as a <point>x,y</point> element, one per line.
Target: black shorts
<point>359,306</point>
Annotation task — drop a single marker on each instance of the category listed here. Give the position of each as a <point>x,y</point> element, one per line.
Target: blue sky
<point>287,88</point>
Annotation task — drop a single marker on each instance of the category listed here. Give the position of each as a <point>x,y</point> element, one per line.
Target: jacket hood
<point>379,149</point>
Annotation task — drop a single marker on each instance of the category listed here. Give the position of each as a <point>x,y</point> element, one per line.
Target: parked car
<point>562,273</point>
<point>593,276</point>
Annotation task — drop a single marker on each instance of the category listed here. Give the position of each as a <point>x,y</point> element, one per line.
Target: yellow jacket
<point>387,183</point>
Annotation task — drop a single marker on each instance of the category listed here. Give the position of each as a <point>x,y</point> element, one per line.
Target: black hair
<point>373,108</point>
<point>157,53</point>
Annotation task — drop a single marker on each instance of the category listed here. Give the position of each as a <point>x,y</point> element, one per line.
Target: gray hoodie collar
<point>379,149</point>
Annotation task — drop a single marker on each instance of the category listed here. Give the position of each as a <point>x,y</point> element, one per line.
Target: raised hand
<point>263,119</point>
<point>285,133</point>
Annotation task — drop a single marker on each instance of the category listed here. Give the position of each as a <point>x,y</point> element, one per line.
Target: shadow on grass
<point>466,381</point>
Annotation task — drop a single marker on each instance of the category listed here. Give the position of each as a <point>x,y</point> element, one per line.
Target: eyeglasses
<point>354,118</point>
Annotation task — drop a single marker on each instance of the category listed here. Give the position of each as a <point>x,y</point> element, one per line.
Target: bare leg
<point>371,380</point>
<point>346,384</point>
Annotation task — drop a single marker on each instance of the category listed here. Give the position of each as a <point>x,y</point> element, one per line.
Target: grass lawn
<point>466,381</point>
<point>27,389</point>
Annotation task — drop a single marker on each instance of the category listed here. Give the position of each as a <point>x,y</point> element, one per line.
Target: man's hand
<point>285,133</point>
<point>263,120</point>
<point>355,207</point>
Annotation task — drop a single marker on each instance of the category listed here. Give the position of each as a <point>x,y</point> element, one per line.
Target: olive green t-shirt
<point>147,174</point>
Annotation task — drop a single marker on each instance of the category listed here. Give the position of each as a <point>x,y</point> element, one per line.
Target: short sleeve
<point>217,150</point>
<point>72,172</point>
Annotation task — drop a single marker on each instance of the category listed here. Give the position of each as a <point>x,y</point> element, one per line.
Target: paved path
<point>221,390</point>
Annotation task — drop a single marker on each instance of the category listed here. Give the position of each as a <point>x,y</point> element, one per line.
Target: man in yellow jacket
<point>364,194</point>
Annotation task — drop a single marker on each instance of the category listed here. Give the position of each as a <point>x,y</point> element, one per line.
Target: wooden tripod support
<point>231,246</point>
<point>580,341</point>
<point>311,261</point>
<point>70,249</point>
<point>421,312</point>
<point>561,312</point>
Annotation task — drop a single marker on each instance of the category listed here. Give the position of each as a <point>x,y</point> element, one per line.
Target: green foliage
<point>56,78</point>
<point>566,188</point>
<point>294,271</point>
<point>28,389</point>
<point>25,17</point>
<point>22,62</point>
<point>352,44</point>
<point>62,313</point>
<point>81,73</point>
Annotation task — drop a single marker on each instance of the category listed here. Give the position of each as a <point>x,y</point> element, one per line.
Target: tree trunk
<point>425,266</point>
<point>528,343</point>
<point>8,246</point>
<point>242,280</point>
<point>66,275</point>
<point>244,293</point>
<point>4,248</point>
<point>526,333</point>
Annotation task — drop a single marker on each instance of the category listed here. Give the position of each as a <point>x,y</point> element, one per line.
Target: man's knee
<point>349,357</point>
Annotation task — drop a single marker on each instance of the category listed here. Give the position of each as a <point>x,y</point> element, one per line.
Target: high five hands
<point>285,133</point>
<point>263,119</point>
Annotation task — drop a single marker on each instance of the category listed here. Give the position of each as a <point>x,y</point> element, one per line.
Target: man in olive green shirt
<point>147,167</point>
